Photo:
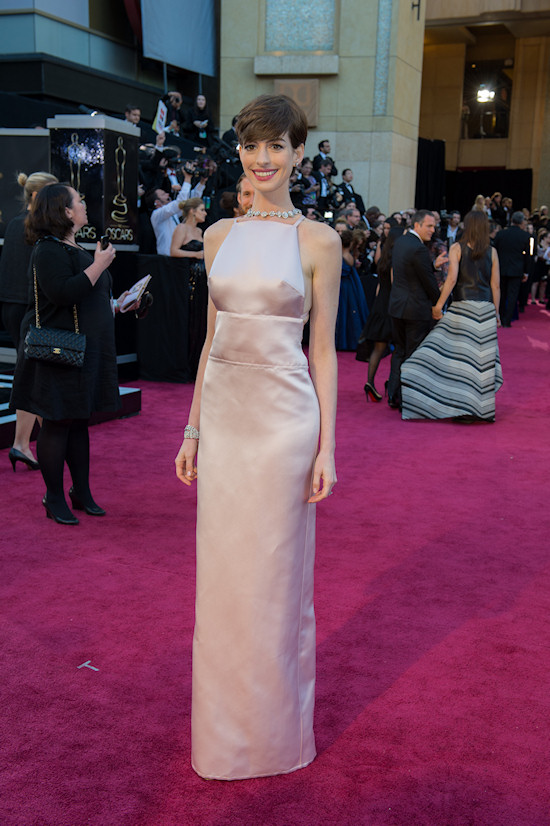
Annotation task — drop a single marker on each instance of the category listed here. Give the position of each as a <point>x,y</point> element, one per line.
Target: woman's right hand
<point>200,255</point>
<point>104,258</point>
<point>186,466</point>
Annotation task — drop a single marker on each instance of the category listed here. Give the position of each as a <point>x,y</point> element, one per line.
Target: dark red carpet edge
<point>432,601</point>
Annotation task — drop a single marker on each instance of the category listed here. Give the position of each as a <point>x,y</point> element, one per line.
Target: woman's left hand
<point>324,477</point>
<point>120,301</point>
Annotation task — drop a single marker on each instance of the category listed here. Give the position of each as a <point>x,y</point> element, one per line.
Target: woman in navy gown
<point>352,305</point>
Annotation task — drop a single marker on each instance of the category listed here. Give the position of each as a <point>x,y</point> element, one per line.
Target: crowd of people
<point>429,288</point>
<point>180,197</point>
<point>365,323</point>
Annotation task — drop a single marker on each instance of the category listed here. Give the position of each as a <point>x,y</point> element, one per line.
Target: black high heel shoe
<point>372,393</point>
<point>61,520</point>
<point>16,456</point>
<point>78,505</point>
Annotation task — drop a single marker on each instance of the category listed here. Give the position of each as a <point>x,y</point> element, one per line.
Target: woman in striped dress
<point>456,371</point>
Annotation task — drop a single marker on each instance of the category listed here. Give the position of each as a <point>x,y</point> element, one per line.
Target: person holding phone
<point>66,276</point>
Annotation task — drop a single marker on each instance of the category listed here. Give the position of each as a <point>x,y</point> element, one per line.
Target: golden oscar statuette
<point>120,205</point>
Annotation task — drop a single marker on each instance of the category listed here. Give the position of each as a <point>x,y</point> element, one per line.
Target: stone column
<point>529,141</point>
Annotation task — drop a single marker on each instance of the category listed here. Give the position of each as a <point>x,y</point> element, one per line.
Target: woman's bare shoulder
<point>213,238</point>
<point>215,233</point>
<point>317,233</point>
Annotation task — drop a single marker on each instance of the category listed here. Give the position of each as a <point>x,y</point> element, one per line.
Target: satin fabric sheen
<point>254,640</point>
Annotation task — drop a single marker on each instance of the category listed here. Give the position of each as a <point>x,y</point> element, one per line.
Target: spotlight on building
<point>484,95</point>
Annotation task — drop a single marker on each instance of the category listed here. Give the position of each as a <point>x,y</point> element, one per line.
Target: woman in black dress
<point>377,331</point>
<point>65,397</point>
<point>187,243</point>
<point>199,126</point>
<point>456,372</point>
<point>14,296</point>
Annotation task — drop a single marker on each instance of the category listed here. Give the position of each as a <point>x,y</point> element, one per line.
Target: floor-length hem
<point>456,371</point>
<point>255,776</point>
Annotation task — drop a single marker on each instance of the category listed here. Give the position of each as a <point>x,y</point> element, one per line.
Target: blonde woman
<point>187,237</point>
<point>14,296</point>
<point>479,204</point>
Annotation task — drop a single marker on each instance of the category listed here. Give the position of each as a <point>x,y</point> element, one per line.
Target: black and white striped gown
<point>456,371</point>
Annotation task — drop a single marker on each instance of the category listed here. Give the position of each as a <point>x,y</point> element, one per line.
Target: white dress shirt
<point>165,219</point>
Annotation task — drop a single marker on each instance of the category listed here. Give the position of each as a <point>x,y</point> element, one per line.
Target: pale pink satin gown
<point>254,640</point>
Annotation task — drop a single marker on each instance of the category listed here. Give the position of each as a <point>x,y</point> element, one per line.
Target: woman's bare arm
<point>450,281</point>
<point>179,238</point>
<point>186,469</point>
<point>324,253</point>
<point>495,283</point>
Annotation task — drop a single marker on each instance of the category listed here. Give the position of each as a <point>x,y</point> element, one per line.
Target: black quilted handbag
<point>61,347</point>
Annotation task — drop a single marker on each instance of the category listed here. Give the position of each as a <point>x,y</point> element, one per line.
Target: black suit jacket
<point>414,290</point>
<point>350,194</point>
<point>230,137</point>
<point>318,160</point>
<point>512,245</point>
<point>322,201</point>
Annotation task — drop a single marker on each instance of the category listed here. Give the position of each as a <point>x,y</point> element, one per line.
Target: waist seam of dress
<point>261,366</point>
<point>261,315</point>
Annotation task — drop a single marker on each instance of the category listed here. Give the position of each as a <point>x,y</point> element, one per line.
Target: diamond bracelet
<point>190,432</point>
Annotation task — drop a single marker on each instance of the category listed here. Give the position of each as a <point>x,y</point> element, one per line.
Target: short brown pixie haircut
<point>269,117</point>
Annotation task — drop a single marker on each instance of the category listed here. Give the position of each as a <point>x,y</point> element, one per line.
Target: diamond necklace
<point>290,213</point>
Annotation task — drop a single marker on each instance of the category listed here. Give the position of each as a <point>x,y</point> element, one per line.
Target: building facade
<point>375,75</point>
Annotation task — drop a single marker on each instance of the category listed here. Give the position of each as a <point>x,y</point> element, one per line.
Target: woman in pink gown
<point>266,458</point>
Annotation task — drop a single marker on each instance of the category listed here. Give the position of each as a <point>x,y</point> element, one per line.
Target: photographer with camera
<point>175,118</point>
<point>165,211</point>
<point>207,174</point>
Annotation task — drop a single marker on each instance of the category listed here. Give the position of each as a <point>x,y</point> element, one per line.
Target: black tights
<point>59,442</point>
<point>374,360</point>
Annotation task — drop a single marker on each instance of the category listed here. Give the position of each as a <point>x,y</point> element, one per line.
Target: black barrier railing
<point>169,339</point>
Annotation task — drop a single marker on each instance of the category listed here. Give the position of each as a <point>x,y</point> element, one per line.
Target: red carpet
<point>433,606</point>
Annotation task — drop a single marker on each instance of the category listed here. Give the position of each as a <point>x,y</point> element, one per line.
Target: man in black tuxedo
<point>324,155</point>
<point>230,137</point>
<point>322,176</point>
<point>348,192</point>
<point>512,245</point>
<point>414,292</point>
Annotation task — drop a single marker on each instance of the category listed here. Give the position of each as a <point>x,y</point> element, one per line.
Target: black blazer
<point>414,290</point>
<point>322,201</point>
<point>512,245</point>
<point>350,194</point>
<point>318,160</point>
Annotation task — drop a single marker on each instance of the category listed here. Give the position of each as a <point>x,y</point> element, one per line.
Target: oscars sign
<point>98,156</point>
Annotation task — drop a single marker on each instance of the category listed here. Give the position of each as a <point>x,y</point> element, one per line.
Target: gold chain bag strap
<point>51,344</point>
